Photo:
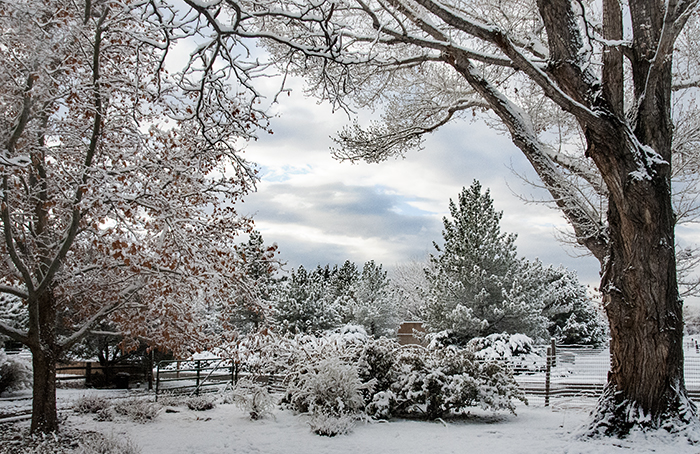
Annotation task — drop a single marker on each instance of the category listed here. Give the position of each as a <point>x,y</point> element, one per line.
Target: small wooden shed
<point>406,330</point>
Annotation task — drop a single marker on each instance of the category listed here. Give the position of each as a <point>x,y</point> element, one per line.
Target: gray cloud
<point>322,211</point>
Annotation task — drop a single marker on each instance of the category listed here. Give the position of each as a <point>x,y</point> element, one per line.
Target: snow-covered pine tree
<point>373,306</point>
<point>478,286</point>
<point>473,272</point>
<point>329,297</point>
<point>571,314</point>
<point>301,302</point>
<point>250,311</point>
<point>341,289</point>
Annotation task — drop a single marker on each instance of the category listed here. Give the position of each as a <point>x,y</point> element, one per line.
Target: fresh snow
<point>227,429</point>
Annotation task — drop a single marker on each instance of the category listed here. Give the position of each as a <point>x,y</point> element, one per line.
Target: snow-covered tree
<point>572,315</point>
<point>119,175</point>
<point>372,304</point>
<point>589,93</point>
<point>409,287</point>
<point>478,286</point>
<point>304,302</point>
<point>475,278</point>
<point>250,310</point>
<point>329,297</point>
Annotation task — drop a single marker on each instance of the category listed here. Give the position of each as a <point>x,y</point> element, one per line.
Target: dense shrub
<point>433,382</point>
<point>201,403</point>
<point>341,376</point>
<point>329,391</point>
<point>15,372</point>
<point>329,387</point>
<point>90,404</point>
<point>330,426</point>
<point>138,410</point>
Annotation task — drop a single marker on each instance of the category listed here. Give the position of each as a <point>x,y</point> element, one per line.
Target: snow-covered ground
<point>226,429</point>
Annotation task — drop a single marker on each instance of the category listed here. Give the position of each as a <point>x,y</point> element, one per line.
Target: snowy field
<point>226,429</point>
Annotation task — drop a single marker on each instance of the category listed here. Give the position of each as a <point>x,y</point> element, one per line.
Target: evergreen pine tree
<point>304,302</point>
<point>478,286</point>
<point>373,306</point>
<point>251,310</point>
<point>472,271</point>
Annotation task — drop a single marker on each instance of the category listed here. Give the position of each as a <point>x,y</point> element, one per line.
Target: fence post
<point>88,374</point>
<point>149,371</point>
<point>198,367</point>
<point>547,376</point>
<point>157,379</point>
<point>554,352</point>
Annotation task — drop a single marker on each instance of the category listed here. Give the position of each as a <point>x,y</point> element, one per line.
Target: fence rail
<point>196,376</point>
<point>582,371</point>
<point>85,371</point>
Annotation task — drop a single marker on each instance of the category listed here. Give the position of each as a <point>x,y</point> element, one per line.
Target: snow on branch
<point>497,37</point>
<point>381,141</point>
<point>13,333</point>
<point>686,83</point>
<point>585,222</point>
<point>13,291</point>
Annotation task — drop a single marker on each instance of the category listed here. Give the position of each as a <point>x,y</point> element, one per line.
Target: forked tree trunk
<point>646,386</point>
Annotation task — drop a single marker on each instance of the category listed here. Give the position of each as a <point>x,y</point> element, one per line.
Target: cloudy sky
<point>319,210</point>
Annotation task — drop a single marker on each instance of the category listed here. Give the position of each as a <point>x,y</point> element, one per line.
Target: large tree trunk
<point>45,352</point>
<point>44,415</point>
<point>646,386</point>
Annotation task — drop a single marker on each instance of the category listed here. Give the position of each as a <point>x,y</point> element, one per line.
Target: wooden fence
<point>123,373</point>
<point>200,375</point>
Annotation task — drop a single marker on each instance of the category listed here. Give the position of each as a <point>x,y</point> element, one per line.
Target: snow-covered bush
<point>168,399</point>
<point>138,410</point>
<point>437,382</point>
<point>90,404</point>
<point>330,426</point>
<point>413,381</point>
<point>330,386</point>
<point>15,372</point>
<point>107,444</point>
<point>254,399</point>
<point>201,403</point>
<point>502,346</point>
<point>381,405</point>
<point>329,391</point>
<point>518,350</point>
<point>376,363</point>
<point>345,373</point>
